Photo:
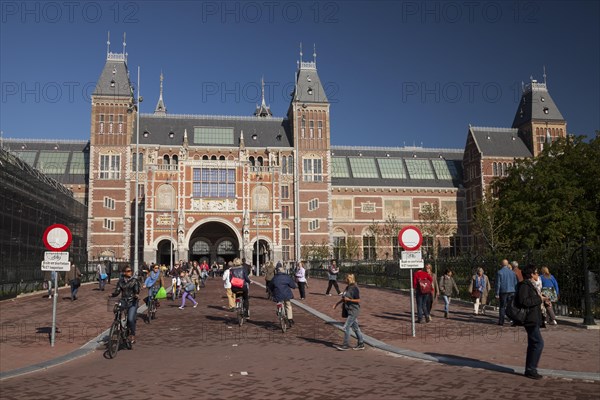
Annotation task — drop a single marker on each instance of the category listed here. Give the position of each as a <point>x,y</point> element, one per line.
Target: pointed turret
<point>114,79</point>
<point>160,106</point>
<point>263,110</point>
<point>538,119</point>
<point>308,85</point>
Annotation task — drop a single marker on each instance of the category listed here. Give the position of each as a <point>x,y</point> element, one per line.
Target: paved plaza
<point>203,352</point>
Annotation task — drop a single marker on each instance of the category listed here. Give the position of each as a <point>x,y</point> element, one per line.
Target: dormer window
<point>542,99</point>
<point>310,91</point>
<point>112,83</point>
<point>546,111</point>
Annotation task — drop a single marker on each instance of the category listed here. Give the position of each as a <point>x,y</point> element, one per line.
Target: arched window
<point>495,169</point>
<point>226,247</point>
<point>259,161</point>
<point>213,157</point>
<point>175,160</point>
<point>166,159</point>
<point>284,165</point>
<point>222,158</point>
<point>201,247</point>
<point>205,157</point>
<point>252,162</point>
<point>290,164</point>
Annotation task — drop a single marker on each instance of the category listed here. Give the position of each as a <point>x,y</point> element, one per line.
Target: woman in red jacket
<point>423,284</point>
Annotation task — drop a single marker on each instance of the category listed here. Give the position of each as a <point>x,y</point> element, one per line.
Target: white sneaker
<point>181,308</point>
<point>554,322</point>
<point>195,305</point>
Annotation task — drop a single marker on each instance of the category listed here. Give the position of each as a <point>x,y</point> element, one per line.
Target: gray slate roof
<point>453,156</point>
<point>499,142</point>
<point>536,104</point>
<point>308,85</point>
<point>114,80</point>
<point>258,132</point>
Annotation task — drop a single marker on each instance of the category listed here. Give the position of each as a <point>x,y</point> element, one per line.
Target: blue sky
<point>396,72</point>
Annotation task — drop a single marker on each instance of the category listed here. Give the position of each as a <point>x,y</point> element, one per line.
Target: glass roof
<point>419,169</point>
<point>53,162</point>
<point>392,168</point>
<point>363,167</point>
<point>445,169</point>
<point>340,168</point>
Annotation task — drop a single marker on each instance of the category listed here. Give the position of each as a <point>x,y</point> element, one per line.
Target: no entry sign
<point>57,237</point>
<point>410,238</point>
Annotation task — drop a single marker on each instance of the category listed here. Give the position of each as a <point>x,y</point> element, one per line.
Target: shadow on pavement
<point>450,359</point>
<point>325,343</point>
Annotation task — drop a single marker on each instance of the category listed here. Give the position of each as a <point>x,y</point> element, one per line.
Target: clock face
<point>57,237</point>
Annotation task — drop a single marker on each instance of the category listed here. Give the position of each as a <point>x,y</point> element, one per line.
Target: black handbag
<point>344,311</point>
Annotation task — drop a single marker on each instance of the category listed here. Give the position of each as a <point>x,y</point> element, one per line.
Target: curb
<point>446,359</point>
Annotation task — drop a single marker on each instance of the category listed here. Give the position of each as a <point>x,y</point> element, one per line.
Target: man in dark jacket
<point>129,288</point>
<point>281,286</point>
<point>528,297</point>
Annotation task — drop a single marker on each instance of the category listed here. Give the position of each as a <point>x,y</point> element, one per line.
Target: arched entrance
<point>165,252</point>
<point>214,241</point>
<point>264,253</point>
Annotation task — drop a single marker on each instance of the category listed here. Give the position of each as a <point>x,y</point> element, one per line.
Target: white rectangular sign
<point>56,261</point>
<point>415,255</point>
<point>411,264</point>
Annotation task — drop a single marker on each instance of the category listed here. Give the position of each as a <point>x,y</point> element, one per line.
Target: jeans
<point>132,316</point>
<point>333,283</point>
<point>446,303</point>
<point>302,289</point>
<point>352,322</point>
<point>74,290</point>
<point>535,345</point>
<point>185,296</point>
<point>422,300</point>
<point>505,299</point>
<point>50,286</point>
<point>101,284</point>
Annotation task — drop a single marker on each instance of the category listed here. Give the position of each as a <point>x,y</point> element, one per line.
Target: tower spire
<point>160,106</point>
<point>545,75</point>
<point>263,110</point>
<point>108,45</point>
<point>262,91</point>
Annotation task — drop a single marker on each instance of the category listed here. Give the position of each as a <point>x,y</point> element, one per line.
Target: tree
<point>375,231</point>
<point>488,222</point>
<point>352,247</point>
<point>554,198</point>
<point>436,224</point>
<point>390,231</point>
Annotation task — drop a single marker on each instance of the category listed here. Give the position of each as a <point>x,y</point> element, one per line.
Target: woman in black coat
<point>528,297</point>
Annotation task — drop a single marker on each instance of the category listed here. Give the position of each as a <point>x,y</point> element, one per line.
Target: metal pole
<point>137,169</point>
<point>171,239</point>
<point>257,239</point>
<point>588,318</point>
<point>412,304</point>
<point>55,295</point>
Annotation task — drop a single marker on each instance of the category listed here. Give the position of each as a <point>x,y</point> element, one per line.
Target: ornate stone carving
<point>213,205</point>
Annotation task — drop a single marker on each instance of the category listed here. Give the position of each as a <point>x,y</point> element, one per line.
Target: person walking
<point>506,282</point>
<point>528,297</point>
<point>517,271</point>
<point>351,300</point>
<point>49,278</point>
<point>436,289</point>
<point>301,280</point>
<point>188,287</point>
<point>73,278</point>
<point>423,285</point>
<point>447,288</point>
<point>550,291</point>
<point>333,272</point>
<point>102,276</point>
<point>479,289</point>
<point>227,286</point>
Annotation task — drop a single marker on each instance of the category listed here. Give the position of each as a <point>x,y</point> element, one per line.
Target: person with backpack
<point>423,285</point>
<point>238,271</point>
<point>447,288</point>
<point>529,298</point>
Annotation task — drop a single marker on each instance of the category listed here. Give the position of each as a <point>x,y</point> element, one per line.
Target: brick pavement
<point>385,316</point>
<point>201,353</point>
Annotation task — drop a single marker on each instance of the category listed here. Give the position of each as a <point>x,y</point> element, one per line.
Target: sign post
<point>56,238</point>
<point>411,238</point>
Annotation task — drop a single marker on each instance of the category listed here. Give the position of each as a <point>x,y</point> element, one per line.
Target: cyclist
<point>239,271</point>
<point>281,286</point>
<point>154,282</point>
<point>129,288</point>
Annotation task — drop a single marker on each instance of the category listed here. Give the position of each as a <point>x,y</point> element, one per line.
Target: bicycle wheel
<point>283,322</point>
<point>240,315</point>
<point>126,341</point>
<point>114,339</point>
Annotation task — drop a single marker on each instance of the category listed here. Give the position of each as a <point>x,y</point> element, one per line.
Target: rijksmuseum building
<point>217,187</point>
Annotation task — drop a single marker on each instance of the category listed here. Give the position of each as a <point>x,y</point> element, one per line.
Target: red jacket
<point>420,274</point>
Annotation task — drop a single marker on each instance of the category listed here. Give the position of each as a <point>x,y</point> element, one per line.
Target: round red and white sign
<point>410,238</point>
<point>57,237</point>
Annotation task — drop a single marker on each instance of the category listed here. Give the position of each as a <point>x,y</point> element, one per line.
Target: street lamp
<point>137,185</point>
<point>258,179</point>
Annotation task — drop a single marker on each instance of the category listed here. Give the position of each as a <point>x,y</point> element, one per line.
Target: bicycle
<point>151,309</point>
<point>119,330</point>
<point>239,307</point>
<point>284,322</point>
